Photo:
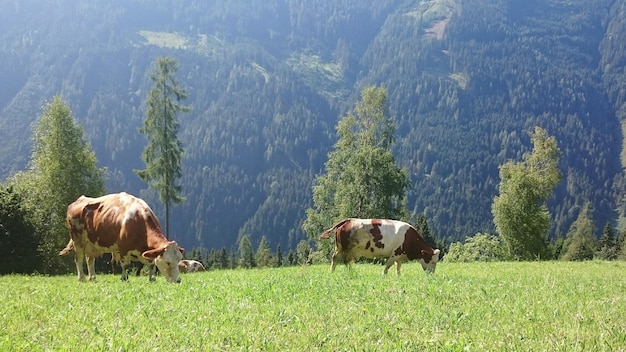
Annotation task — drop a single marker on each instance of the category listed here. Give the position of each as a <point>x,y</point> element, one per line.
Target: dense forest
<point>467,80</point>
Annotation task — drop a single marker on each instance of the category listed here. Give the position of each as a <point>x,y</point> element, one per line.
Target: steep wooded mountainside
<point>268,80</point>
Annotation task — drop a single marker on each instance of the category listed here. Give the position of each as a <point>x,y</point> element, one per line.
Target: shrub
<point>482,247</point>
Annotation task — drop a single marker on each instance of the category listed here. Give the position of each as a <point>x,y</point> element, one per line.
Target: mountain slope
<point>268,81</point>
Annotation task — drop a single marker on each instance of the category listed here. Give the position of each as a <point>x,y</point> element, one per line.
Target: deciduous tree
<point>62,168</point>
<point>18,242</point>
<point>482,247</point>
<point>519,212</point>
<point>362,178</point>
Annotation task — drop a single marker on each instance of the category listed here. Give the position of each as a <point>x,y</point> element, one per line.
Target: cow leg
<point>125,266</point>
<point>91,269</point>
<point>388,264</point>
<point>79,259</point>
<point>398,264</point>
<point>151,272</point>
<point>334,262</point>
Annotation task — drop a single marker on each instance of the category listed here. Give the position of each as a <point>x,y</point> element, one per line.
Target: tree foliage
<point>263,257</point>
<point>62,168</point>
<point>482,247</point>
<point>608,244</point>
<point>18,240</point>
<point>163,154</point>
<point>520,213</point>
<point>580,242</point>
<point>362,178</point>
<point>246,253</point>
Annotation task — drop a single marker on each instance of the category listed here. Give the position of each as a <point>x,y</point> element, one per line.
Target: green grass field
<point>540,306</point>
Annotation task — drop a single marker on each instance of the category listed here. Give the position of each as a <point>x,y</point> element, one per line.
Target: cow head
<point>166,258</point>
<point>430,265</point>
<point>182,266</point>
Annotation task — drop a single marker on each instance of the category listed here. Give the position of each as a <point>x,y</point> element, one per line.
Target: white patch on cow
<point>167,262</point>
<point>134,206</point>
<point>131,211</point>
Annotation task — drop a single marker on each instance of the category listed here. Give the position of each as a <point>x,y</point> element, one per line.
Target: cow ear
<point>436,255</point>
<point>181,249</point>
<point>153,253</point>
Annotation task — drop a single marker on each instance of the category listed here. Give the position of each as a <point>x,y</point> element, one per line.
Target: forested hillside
<point>268,80</point>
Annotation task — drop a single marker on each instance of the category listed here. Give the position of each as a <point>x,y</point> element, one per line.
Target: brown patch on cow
<point>87,218</point>
<point>377,222</point>
<point>376,235</point>
<point>368,244</point>
<point>415,247</point>
<point>343,234</point>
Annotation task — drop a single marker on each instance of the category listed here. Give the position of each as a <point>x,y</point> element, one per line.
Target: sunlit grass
<point>477,306</point>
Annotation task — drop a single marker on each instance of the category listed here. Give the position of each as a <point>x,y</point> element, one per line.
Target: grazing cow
<point>374,238</point>
<point>124,226</point>
<point>190,266</point>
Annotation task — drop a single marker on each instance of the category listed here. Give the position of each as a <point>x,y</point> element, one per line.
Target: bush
<point>481,247</point>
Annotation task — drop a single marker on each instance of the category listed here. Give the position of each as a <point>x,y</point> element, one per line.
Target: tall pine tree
<point>164,151</point>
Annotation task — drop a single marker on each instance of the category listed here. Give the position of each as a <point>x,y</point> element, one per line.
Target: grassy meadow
<point>541,306</point>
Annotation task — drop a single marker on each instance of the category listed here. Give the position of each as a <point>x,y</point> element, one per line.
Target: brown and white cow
<point>124,226</point>
<point>190,266</point>
<point>375,238</point>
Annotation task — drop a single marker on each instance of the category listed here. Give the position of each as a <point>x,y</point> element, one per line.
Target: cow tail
<point>68,248</point>
<point>326,234</point>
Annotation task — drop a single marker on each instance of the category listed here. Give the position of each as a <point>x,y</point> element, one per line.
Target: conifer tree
<point>580,243</point>
<point>520,212</point>
<point>246,252</point>
<point>163,154</point>
<point>223,259</point>
<point>279,256</point>
<point>422,228</point>
<point>263,253</point>
<point>607,249</point>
